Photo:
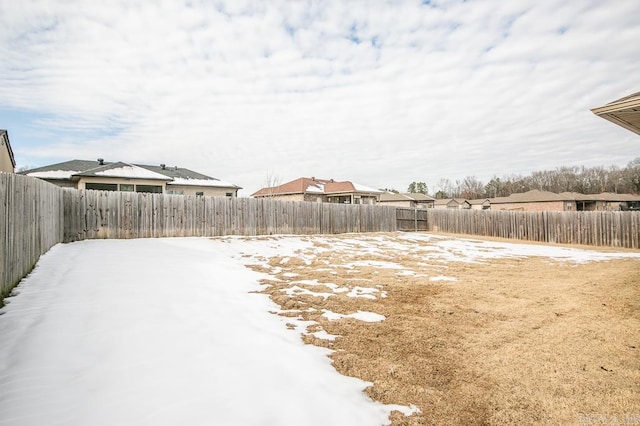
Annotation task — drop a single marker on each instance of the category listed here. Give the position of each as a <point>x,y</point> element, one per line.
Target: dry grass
<point>512,341</point>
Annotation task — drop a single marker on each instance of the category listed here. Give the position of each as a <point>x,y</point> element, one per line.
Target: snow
<point>300,291</point>
<point>201,182</point>
<point>359,315</point>
<point>363,188</point>
<point>164,332</point>
<point>53,174</point>
<point>373,263</point>
<point>131,171</point>
<point>365,292</point>
<point>173,331</point>
<point>317,188</point>
<point>476,250</point>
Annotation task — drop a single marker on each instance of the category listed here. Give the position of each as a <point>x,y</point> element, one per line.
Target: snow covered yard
<point>207,331</point>
<point>163,332</point>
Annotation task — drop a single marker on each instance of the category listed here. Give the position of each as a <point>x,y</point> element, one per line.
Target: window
<point>126,187</point>
<point>149,188</point>
<point>174,192</point>
<point>229,194</point>
<point>199,194</point>
<point>102,186</point>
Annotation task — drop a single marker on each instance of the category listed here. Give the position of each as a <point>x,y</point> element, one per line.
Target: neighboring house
<point>410,200</point>
<point>605,201</point>
<point>7,160</point>
<point>105,176</point>
<point>321,191</point>
<point>480,204</point>
<point>534,200</point>
<point>624,112</point>
<point>452,203</point>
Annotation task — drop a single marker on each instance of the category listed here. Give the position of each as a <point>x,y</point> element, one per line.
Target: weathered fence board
<point>31,222</point>
<point>104,214</point>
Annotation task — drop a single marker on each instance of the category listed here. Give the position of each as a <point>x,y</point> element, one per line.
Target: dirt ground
<point>525,340</point>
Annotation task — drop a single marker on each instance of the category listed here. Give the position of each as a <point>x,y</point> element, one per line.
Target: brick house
<point>409,200</point>
<point>119,176</point>
<point>452,203</point>
<point>321,190</point>
<point>536,200</point>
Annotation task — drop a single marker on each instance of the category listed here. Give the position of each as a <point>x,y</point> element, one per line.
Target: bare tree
<point>445,188</point>
<point>271,182</point>
<point>471,188</point>
<point>586,180</point>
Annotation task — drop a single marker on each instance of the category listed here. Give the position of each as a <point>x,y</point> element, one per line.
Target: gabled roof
<point>533,196</point>
<point>4,137</point>
<point>312,185</point>
<point>62,170</point>
<point>605,196</point>
<point>297,186</point>
<point>173,175</point>
<point>624,112</point>
<point>392,196</point>
<point>419,196</point>
<point>537,196</point>
<point>445,201</point>
<point>122,170</point>
<point>479,201</point>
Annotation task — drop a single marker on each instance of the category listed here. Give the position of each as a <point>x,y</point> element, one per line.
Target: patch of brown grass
<point>512,341</point>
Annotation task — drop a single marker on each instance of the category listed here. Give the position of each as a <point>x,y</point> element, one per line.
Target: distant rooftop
<point>314,185</point>
<point>391,196</point>
<point>174,175</point>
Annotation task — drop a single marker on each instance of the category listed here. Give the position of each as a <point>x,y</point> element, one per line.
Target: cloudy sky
<point>378,92</point>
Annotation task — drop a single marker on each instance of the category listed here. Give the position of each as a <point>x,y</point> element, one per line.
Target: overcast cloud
<point>380,93</point>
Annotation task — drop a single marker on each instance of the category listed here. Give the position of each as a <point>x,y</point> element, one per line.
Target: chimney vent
<point>101,161</point>
<point>163,166</point>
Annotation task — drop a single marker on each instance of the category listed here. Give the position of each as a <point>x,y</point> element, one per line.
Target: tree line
<point>584,180</point>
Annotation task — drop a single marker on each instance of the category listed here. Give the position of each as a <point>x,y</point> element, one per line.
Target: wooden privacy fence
<point>103,214</point>
<point>35,215</point>
<point>597,228</point>
<point>31,222</point>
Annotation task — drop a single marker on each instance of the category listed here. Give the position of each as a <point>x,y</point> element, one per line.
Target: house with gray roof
<point>452,203</point>
<point>409,200</point>
<point>480,204</point>
<point>7,160</point>
<point>536,200</point>
<point>119,176</point>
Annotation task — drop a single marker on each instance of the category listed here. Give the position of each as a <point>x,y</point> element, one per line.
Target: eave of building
<point>351,192</point>
<point>278,194</point>
<point>624,112</point>
<point>5,135</point>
